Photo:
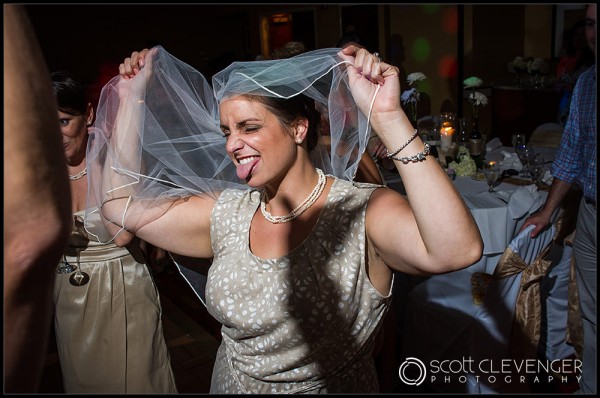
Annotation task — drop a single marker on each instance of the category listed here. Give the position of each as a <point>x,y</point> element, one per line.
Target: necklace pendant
<point>79,278</point>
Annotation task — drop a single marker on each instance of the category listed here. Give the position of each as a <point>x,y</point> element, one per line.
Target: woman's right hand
<point>135,89</point>
<point>131,66</point>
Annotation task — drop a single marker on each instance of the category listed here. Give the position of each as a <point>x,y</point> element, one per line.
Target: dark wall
<point>87,39</point>
<point>90,40</point>
<point>492,41</point>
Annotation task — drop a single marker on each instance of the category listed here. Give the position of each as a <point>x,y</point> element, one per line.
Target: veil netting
<point>156,137</point>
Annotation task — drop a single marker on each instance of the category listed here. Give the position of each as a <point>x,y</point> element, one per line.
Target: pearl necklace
<point>78,175</point>
<point>308,202</point>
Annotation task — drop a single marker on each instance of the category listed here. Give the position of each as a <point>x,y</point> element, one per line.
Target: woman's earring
<point>298,140</point>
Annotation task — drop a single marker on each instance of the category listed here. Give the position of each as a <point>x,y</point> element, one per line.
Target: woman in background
<point>577,59</point>
<point>108,315</point>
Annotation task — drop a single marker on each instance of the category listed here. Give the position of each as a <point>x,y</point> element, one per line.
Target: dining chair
<point>476,316</point>
<point>545,140</point>
<point>546,135</point>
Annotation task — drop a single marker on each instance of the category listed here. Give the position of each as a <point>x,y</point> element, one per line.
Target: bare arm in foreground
<point>37,205</point>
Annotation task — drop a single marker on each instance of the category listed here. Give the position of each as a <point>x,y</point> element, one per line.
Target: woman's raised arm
<point>432,231</point>
<point>130,193</point>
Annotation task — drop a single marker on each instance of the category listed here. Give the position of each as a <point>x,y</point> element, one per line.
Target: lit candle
<point>446,134</point>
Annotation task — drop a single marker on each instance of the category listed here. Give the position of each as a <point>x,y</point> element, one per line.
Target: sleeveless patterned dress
<point>302,323</point>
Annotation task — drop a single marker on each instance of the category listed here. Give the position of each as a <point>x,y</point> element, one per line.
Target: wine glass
<point>536,168</point>
<point>491,171</point>
<point>518,140</point>
<point>525,154</point>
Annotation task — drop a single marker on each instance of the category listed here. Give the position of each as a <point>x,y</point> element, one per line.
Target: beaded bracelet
<point>415,158</point>
<point>391,155</point>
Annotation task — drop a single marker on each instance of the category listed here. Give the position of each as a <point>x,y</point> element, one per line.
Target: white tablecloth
<point>500,214</point>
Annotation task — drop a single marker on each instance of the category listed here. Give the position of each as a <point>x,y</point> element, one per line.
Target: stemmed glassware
<point>491,171</point>
<point>525,154</point>
<point>518,140</point>
<point>536,168</point>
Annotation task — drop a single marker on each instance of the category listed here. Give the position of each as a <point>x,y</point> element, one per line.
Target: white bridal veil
<point>157,136</point>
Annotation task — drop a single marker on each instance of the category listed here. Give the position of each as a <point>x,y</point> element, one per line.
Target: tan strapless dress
<point>109,331</point>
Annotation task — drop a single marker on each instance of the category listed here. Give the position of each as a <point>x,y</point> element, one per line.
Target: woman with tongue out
<point>302,256</point>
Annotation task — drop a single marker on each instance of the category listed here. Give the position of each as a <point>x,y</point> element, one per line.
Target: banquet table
<point>499,214</point>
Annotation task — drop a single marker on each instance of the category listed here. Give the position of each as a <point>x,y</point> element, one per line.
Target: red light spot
<point>450,20</point>
<point>447,67</point>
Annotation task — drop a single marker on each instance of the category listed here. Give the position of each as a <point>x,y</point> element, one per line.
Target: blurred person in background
<point>579,56</point>
<point>37,210</point>
<point>575,164</point>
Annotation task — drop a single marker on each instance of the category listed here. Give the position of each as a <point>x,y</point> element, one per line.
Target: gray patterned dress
<point>302,323</point>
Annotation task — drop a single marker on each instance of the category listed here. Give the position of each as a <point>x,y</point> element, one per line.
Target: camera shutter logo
<point>411,362</point>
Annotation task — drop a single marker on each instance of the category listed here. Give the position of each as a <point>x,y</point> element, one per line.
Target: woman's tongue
<point>244,170</point>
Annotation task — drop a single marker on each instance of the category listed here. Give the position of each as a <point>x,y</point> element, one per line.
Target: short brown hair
<point>289,50</point>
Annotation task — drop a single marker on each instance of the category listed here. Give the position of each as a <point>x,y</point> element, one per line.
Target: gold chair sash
<point>526,325</point>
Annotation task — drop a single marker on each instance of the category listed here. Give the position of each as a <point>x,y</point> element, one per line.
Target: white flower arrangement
<point>411,97</point>
<point>464,165</point>
<point>517,65</point>
<point>530,65</point>
<point>537,66</point>
<point>477,98</point>
<point>415,77</point>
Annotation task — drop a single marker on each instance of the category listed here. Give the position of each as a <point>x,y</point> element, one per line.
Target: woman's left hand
<point>367,73</point>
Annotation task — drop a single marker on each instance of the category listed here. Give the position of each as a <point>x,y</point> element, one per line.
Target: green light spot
<point>421,49</point>
<point>424,86</point>
<point>430,8</point>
